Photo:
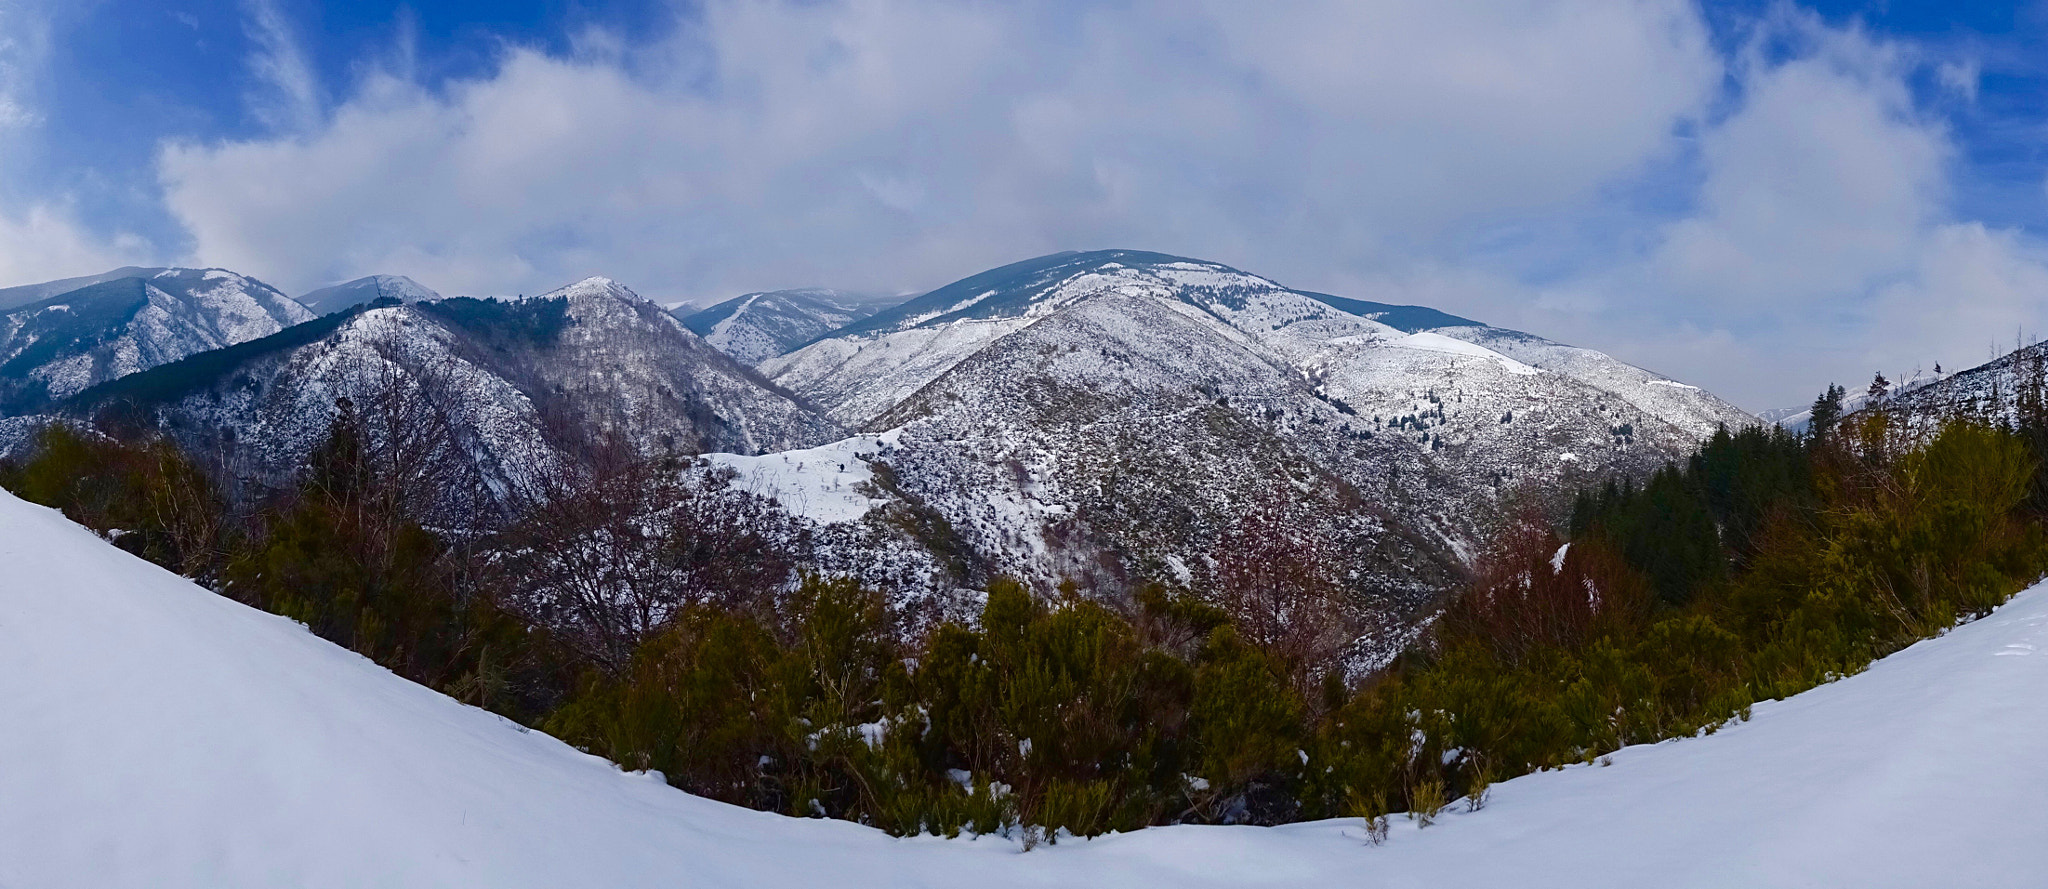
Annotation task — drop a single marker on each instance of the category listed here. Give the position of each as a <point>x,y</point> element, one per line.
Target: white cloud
<point>44,242</point>
<point>1960,76</point>
<point>24,38</point>
<point>892,143</point>
<point>286,96</point>
<point>1490,160</point>
<point>1821,245</point>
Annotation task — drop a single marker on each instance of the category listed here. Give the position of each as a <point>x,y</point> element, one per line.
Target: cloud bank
<point>883,143</point>
<point>1758,214</point>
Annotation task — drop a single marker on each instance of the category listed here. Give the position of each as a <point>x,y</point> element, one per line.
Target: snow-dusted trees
<point>611,551</point>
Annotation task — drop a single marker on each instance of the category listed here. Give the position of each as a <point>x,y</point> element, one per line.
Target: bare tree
<point>414,446</point>
<point>1276,577</point>
<point>1530,590</point>
<point>611,551</point>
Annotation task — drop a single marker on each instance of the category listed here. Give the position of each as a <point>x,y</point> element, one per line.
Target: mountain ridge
<point>1054,414</point>
<point>334,298</point>
<point>68,342</point>
<point>518,389</point>
<point>754,327</point>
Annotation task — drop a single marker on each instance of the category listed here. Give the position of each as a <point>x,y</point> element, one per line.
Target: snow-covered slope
<point>328,300</point>
<point>1109,416</point>
<point>18,296</point>
<point>511,388</point>
<point>159,735</point>
<point>63,344</point>
<point>1976,390</point>
<point>757,326</point>
<point>1680,405</point>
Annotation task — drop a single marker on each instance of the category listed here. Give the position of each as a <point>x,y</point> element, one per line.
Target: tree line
<point>657,617</point>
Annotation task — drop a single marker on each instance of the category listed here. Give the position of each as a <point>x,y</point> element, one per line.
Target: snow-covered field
<point>828,484</point>
<point>154,734</point>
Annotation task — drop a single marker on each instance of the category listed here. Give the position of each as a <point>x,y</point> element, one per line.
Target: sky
<point>1756,197</point>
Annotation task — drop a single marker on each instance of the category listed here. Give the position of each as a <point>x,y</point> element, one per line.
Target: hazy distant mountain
<point>759,326</point>
<point>16,297</point>
<point>67,342</point>
<point>328,300</point>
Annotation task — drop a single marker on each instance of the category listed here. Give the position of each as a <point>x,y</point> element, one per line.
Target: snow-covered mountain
<point>759,326</point>
<point>507,388</point>
<point>1999,391</point>
<point>65,343</point>
<point>1110,416</point>
<point>160,735</point>
<point>328,300</point>
<point>16,297</point>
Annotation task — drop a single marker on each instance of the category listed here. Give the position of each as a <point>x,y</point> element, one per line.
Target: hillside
<point>2006,390</point>
<point>755,327</point>
<point>181,739</point>
<point>21,295</point>
<point>65,343</point>
<point>499,393</point>
<point>1110,417</point>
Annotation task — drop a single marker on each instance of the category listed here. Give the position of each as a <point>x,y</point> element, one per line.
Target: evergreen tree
<point>1825,413</point>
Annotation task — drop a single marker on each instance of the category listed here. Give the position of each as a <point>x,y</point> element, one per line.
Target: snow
<point>160,735</point>
<point>828,484</point>
<point>191,312</point>
<point>1694,410</point>
<point>1671,383</point>
<point>1120,346</point>
<point>1435,342</point>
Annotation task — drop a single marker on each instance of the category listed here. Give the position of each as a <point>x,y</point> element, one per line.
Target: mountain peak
<point>328,300</point>
<point>754,327</point>
<point>15,297</point>
<point>1013,290</point>
<point>593,287</point>
<point>76,338</point>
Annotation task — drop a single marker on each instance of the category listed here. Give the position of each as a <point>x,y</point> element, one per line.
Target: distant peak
<point>595,286</point>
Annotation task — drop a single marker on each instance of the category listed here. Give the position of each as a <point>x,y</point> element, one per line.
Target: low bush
<point>1761,568</point>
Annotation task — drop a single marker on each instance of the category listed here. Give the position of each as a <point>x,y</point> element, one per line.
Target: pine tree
<point>1825,413</point>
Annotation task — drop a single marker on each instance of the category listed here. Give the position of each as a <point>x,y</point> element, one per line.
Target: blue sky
<point>122,75</point>
<point>1759,197</point>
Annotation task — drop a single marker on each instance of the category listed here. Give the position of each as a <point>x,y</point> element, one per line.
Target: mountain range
<point>1111,418</point>
<point>127,321</point>
<point>500,393</point>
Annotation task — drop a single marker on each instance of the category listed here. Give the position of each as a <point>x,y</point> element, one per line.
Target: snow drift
<point>156,734</point>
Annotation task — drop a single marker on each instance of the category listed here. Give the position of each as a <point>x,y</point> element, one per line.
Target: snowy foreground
<point>154,734</point>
